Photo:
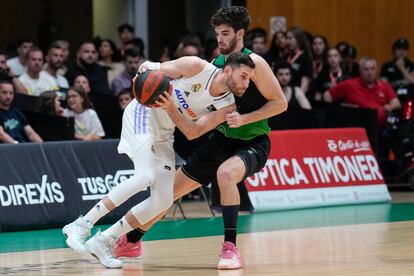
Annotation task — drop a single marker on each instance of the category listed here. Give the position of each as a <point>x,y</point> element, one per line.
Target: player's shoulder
<point>196,62</point>
<point>258,60</point>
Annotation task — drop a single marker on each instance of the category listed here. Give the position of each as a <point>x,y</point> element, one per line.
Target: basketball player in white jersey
<point>203,93</point>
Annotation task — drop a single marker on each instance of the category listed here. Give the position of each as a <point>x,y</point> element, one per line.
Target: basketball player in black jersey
<point>238,148</point>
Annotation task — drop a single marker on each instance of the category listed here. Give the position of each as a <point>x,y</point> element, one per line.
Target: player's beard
<point>231,84</point>
<point>230,49</point>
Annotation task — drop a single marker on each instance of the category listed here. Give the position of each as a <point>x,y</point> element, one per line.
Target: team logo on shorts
<point>196,87</point>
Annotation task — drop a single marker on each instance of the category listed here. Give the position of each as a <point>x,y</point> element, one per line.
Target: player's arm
<point>194,129</point>
<point>269,87</point>
<point>178,68</point>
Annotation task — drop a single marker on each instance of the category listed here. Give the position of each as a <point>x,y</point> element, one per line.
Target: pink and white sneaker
<point>230,257</point>
<point>123,248</point>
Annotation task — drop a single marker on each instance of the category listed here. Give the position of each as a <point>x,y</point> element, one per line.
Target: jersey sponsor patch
<point>196,87</point>
<point>211,108</point>
<point>184,104</point>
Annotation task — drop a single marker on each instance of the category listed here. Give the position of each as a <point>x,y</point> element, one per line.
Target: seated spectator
<point>331,76</point>
<point>109,58</point>
<point>84,82</point>
<point>7,74</point>
<point>191,49</point>
<point>212,50</point>
<point>86,65</point>
<point>35,80</point>
<point>320,48</point>
<point>400,71</point>
<point>50,103</point>
<point>295,97</point>
<point>258,38</point>
<point>341,46</point>
<point>133,59</point>
<point>126,35</point>
<point>366,91</point>
<point>14,127</point>
<point>189,45</point>
<point>88,127</point>
<point>300,58</point>
<point>124,98</point>
<point>54,62</point>
<point>278,49</point>
<point>65,46</point>
<point>136,43</point>
<point>349,66</point>
<point>18,64</point>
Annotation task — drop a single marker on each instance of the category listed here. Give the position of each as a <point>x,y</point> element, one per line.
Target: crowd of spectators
<point>308,68</point>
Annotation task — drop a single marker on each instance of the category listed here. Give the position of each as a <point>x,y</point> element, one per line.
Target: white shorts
<point>147,138</point>
<point>141,124</point>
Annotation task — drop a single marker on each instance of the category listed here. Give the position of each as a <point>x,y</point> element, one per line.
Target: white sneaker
<point>102,248</point>
<point>76,234</point>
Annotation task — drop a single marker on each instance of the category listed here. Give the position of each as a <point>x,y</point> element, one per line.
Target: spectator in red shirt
<point>366,91</point>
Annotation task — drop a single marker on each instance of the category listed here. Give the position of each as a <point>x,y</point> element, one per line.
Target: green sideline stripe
<point>293,219</point>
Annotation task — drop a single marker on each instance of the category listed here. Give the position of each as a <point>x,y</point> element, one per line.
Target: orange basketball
<point>148,86</point>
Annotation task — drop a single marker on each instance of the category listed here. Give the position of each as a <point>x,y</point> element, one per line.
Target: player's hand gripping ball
<point>149,85</point>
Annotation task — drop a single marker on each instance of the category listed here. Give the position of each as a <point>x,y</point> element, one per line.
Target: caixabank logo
<point>96,187</point>
<point>45,192</point>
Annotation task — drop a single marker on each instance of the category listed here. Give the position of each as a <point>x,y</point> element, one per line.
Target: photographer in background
<point>6,74</point>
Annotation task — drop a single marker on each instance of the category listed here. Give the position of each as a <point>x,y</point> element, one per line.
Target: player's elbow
<point>284,105</point>
<point>192,134</point>
<point>281,106</point>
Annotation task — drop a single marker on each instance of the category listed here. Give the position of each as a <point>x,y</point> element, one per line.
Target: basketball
<point>148,86</point>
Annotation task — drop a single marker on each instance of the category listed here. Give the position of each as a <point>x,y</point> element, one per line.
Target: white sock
<point>118,229</point>
<point>98,211</point>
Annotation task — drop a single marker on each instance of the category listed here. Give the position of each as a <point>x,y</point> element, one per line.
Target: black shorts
<point>202,165</point>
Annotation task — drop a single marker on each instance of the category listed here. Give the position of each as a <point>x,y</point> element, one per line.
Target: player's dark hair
<point>236,16</point>
<point>237,59</point>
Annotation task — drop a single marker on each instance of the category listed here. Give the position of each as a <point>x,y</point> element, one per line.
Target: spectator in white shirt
<point>54,61</point>
<point>35,80</point>
<point>88,127</point>
<point>18,64</point>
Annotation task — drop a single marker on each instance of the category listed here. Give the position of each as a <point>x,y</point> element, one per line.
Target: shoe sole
<point>93,255</point>
<point>73,244</point>
<point>129,256</point>
<point>230,266</point>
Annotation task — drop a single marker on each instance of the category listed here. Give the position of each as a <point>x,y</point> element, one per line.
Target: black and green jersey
<point>251,101</point>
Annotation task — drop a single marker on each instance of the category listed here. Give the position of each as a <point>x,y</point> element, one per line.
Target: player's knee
<point>160,204</point>
<point>146,176</point>
<point>224,177</point>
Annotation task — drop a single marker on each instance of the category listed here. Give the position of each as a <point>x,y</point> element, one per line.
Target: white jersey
<point>147,138</point>
<point>191,96</point>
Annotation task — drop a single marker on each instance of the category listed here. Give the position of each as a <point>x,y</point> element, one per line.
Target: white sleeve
<point>224,100</point>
